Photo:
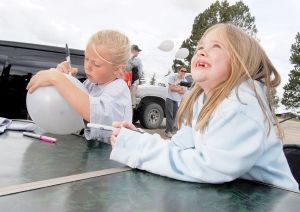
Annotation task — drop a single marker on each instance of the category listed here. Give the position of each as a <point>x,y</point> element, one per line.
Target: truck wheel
<point>135,116</point>
<point>151,115</point>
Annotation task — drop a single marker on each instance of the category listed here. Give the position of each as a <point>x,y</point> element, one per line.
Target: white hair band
<point>100,55</point>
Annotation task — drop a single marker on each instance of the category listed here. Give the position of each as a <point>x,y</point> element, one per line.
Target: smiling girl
<point>227,128</point>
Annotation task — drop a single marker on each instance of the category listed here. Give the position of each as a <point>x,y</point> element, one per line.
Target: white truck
<point>150,106</point>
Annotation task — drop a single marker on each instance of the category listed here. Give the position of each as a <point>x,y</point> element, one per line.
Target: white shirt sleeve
<point>114,104</point>
<point>139,66</point>
<point>135,62</point>
<point>172,79</point>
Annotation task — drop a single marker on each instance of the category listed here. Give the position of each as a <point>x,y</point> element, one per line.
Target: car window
<point>18,63</point>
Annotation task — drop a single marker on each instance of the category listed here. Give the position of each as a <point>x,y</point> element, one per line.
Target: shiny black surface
<point>18,63</point>
<point>24,159</point>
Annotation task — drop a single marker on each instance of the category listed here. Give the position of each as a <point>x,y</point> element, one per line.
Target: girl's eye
<point>216,46</point>
<point>97,64</point>
<point>199,48</point>
<point>93,62</point>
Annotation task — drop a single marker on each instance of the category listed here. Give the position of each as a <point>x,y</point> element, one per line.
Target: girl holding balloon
<point>108,98</point>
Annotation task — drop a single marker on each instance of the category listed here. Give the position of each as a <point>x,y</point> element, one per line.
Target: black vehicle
<point>18,63</point>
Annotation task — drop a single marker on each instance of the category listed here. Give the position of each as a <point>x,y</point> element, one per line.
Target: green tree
<point>291,95</point>
<point>153,79</point>
<point>218,12</point>
<point>169,72</point>
<point>274,98</point>
<point>142,79</point>
<point>295,50</point>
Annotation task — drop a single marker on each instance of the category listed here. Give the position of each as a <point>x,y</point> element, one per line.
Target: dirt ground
<point>291,131</point>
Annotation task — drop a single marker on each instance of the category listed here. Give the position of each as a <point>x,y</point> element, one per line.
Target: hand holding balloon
<point>41,79</point>
<point>48,109</point>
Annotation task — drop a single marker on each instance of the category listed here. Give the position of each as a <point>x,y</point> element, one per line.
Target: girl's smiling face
<point>210,65</point>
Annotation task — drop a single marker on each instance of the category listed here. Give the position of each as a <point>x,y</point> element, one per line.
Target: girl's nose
<point>202,53</point>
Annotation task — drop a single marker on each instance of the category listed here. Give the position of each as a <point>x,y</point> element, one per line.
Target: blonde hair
<point>248,61</point>
<point>117,43</point>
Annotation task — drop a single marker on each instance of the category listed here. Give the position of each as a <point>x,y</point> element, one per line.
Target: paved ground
<point>291,130</point>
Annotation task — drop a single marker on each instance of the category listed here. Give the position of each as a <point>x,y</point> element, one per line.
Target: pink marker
<point>43,138</point>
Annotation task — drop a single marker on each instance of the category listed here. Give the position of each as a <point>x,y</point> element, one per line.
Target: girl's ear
<point>119,70</point>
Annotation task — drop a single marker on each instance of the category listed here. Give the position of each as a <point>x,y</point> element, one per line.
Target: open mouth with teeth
<point>201,65</point>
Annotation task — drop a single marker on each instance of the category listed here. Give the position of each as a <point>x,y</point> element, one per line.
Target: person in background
<point>227,128</point>
<point>108,98</point>
<point>136,67</point>
<point>174,97</point>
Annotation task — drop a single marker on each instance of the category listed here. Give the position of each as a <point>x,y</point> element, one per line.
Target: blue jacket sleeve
<point>228,149</point>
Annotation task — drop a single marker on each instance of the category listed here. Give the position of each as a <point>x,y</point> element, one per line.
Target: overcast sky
<point>146,23</point>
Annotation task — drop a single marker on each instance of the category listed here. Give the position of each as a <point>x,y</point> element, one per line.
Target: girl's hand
<point>117,127</point>
<point>41,79</point>
<point>66,68</point>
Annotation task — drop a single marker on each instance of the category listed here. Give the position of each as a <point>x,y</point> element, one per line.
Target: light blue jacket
<point>234,145</point>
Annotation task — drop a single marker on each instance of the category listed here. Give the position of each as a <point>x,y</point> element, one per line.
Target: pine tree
<point>153,79</point>
<point>169,72</point>
<point>274,99</point>
<point>218,12</point>
<point>142,79</point>
<point>291,95</point>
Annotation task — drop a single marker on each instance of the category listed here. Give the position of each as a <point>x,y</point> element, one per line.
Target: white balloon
<point>51,112</point>
<point>182,53</point>
<point>166,45</point>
